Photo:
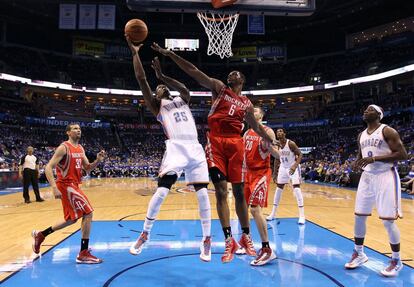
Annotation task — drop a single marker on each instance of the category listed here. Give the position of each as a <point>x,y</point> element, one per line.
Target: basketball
<point>136,30</point>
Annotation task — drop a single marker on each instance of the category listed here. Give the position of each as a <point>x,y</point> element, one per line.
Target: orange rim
<point>220,19</point>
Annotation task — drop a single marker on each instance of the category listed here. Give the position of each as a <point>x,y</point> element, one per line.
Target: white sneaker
<point>136,248</point>
<point>265,256</point>
<point>205,249</point>
<point>271,217</point>
<point>356,260</point>
<point>301,220</point>
<point>393,268</point>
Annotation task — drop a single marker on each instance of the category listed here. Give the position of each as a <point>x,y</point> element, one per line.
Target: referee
<point>29,170</point>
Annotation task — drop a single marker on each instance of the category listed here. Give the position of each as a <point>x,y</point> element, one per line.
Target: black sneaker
<point>27,201</point>
<point>40,200</point>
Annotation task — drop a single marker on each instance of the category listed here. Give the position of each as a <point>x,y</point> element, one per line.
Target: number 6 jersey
<point>227,114</point>
<point>176,119</point>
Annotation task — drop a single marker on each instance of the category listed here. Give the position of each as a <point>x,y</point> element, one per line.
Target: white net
<point>219,29</point>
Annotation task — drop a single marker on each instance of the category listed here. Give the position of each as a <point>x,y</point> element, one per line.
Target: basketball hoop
<point>219,29</point>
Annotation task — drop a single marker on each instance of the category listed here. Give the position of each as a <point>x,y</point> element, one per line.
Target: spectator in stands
<point>407,182</point>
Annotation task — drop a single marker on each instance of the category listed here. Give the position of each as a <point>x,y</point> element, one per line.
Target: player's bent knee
<point>199,186</point>
<point>216,175</point>
<point>167,180</point>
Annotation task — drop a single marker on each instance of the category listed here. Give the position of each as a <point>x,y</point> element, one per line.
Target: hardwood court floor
<point>114,199</point>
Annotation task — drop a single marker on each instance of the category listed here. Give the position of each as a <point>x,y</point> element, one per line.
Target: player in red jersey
<point>256,186</point>
<point>225,149</point>
<point>69,159</point>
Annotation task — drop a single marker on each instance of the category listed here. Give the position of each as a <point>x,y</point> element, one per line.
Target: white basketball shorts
<point>382,189</point>
<point>187,156</point>
<point>283,176</point>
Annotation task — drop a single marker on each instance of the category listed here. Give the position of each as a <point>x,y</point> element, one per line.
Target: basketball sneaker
<point>38,238</point>
<point>230,248</point>
<point>266,255</point>
<point>246,245</point>
<point>357,260</point>
<point>393,268</point>
<point>301,220</point>
<point>205,249</point>
<point>271,217</point>
<point>136,248</point>
<point>85,257</point>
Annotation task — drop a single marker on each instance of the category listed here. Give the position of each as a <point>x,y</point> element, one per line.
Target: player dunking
<point>183,150</point>
<point>225,149</point>
<point>69,159</point>
<point>258,176</point>
<point>288,168</point>
<point>380,147</point>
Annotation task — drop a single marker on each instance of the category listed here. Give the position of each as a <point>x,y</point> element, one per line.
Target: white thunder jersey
<point>177,120</point>
<point>287,157</point>
<point>375,145</point>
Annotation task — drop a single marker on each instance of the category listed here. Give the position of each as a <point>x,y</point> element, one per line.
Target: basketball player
<point>183,150</point>
<point>288,168</point>
<point>380,147</point>
<point>225,149</point>
<point>69,159</point>
<point>258,176</point>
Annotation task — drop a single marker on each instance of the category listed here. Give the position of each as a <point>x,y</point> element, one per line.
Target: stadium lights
<point>61,86</point>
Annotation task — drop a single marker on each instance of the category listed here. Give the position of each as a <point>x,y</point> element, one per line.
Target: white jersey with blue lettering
<point>374,144</point>
<point>177,120</point>
<point>287,157</point>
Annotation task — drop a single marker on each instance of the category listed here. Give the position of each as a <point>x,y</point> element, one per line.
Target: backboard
<point>250,7</point>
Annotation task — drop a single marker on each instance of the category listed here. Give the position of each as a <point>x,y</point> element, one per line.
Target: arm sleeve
<point>22,160</point>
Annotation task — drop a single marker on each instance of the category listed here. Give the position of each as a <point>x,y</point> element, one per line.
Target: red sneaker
<point>85,257</point>
<point>38,238</point>
<point>246,245</point>
<point>205,249</point>
<point>230,249</point>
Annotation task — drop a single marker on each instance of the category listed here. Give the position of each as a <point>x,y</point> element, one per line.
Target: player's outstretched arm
<point>170,82</point>
<point>56,158</point>
<point>274,150</point>
<point>141,77</point>
<point>204,80</point>
<point>296,151</point>
<point>257,127</point>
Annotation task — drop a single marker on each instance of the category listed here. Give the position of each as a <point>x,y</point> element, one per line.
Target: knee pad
<point>216,175</point>
<point>167,180</point>
<point>199,186</point>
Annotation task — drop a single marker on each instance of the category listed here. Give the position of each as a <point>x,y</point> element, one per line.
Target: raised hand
<point>101,155</point>
<point>160,50</point>
<point>134,48</point>
<point>157,67</point>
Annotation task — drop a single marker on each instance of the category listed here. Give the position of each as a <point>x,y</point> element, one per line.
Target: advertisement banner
<point>316,123</point>
<point>106,19</point>
<point>244,53</point>
<point>271,51</point>
<point>90,48</point>
<point>67,16</point>
<point>56,122</point>
<point>87,17</point>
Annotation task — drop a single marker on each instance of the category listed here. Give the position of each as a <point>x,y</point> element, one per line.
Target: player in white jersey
<point>380,147</point>
<point>183,152</point>
<point>286,169</point>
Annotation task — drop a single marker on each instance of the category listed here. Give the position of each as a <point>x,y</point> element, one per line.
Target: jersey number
<point>78,163</point>
<point>232,110</point>
<point>284,159</point>
<point>249,145</point>
<point>180,117</point>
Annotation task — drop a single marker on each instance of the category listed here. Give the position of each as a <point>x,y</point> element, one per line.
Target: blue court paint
<point>308,255</point>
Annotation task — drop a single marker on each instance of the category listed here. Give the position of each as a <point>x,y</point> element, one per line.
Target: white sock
<point>359,248</point>
<point>154,207</point>
<point>395,255</point>
<point>276,200</point>
<point>299,199</point>
<point>205,211</point>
